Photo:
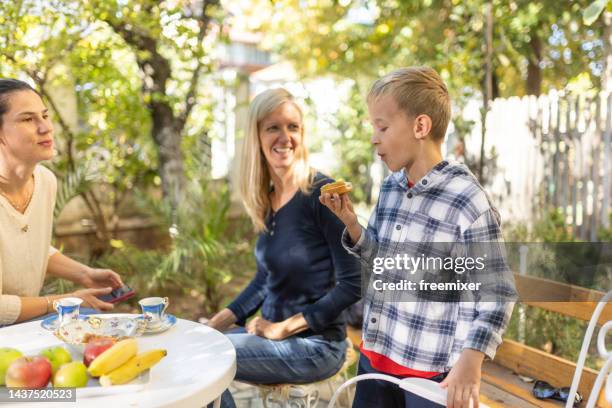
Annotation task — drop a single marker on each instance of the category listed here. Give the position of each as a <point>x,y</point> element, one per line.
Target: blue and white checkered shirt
<point>447,205</point>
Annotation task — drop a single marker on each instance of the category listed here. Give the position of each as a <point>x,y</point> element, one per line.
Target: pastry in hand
<point>337,187</point>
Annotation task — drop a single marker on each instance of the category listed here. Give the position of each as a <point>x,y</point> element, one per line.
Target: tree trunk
<point>170,157</point>
<point>606,80</point>
<point>534,72</point>
<point>488,85</point>
<point>606,86</point>
<point>157,70</point>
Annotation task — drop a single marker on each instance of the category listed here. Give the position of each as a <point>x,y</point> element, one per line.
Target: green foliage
<point>561,335</point>
<point>93,90</point>
<point>548,227</point>
<point>207,248</point>
<point>127,67</point>
<point>552,228</point>
<point>365,39</point>
<point>605,234</point>
<point>74,183</point>
<point>353,144</point>
<point>137,267</point>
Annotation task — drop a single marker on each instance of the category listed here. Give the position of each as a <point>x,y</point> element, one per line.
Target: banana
<point>130,370</point>
<point>114,357</point>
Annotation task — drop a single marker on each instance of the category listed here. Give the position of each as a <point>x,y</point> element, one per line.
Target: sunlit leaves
<point>370,37</point>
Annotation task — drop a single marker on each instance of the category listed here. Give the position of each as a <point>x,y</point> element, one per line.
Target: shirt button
<point>398,227</point>
<point>373,320</point>
<point>424,182</point>
<point>409,195</point>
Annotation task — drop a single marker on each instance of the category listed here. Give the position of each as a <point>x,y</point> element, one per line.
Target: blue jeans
<point>383,394</point>
<point>295,360</point>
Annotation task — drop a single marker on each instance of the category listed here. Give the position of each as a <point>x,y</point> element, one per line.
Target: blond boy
<point>426,199</point>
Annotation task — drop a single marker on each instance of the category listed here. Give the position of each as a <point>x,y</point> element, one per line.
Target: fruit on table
<point>96,347</point>
<point>130,370</point>
<point>7,356</point>
<point>73,374</point>
<point>57,356</point>
<point>29,372</point>
<point>113,357</point>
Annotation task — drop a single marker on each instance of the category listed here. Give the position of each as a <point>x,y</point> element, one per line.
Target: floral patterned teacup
<point>153,310</point>
<point>67,309</point>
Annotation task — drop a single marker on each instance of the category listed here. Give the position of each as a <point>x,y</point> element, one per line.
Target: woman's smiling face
<point>280,135</point>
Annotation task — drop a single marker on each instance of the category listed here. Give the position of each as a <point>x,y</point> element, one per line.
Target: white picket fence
<point>553,151</point>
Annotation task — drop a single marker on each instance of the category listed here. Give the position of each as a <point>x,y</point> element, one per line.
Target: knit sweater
<point>25,245</point>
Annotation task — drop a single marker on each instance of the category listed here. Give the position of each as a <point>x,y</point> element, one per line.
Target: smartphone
<point>118,295</point>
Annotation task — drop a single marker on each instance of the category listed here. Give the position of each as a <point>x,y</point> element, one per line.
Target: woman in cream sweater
<point>27,199</point>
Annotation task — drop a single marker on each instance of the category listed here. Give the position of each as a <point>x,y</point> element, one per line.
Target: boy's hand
<point>342,208</point>
<point>463,381</point>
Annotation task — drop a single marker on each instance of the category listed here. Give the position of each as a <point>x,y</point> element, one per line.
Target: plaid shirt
<point>447,205</point>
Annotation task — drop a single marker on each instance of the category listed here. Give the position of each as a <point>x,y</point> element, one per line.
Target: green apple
<point>7,356</point>
<point>73,374</point>
<point>57,356</point>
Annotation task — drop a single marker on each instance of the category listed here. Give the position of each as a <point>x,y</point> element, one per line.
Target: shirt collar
<point>427,181</point>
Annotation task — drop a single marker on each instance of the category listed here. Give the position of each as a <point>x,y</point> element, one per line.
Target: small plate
<point>51,323</point>
<point>75,334</point>
<point>168,321</point>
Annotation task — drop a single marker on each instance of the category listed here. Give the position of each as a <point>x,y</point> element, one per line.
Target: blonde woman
<point>27,199</point>
<point>304,279</point>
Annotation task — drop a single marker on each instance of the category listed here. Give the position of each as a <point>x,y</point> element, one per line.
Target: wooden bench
<point>501,385</point>
<point>513,358</point>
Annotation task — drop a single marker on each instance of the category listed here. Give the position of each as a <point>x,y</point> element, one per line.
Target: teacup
<point>67,309</point>
<point>153,310</point>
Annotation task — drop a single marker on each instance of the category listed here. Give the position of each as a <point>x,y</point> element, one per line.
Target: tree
<point>93,100</point>
<point>168,42</point>
<point>136,70</point>
<point>135,73</point>
<point>536,45</point>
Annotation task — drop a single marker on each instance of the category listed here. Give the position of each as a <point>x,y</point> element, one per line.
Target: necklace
<point>16,206</point>
<point>20,208</point>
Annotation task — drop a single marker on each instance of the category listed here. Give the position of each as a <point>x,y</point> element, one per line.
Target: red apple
<point>29,372</point>
<point>96,347</point>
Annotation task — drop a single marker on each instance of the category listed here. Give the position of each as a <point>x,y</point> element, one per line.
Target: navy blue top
<point>302,267</point>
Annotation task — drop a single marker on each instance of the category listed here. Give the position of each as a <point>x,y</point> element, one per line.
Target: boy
<point>426,199</point>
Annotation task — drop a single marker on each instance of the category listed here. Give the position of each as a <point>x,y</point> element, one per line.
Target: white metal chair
<point>430,389</point>
<point>306,395</point>
<point>603,352</point>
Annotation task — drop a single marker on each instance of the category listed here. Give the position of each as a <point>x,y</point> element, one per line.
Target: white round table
<point>200,365</point>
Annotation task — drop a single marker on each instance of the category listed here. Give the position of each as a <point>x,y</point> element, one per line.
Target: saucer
<point>51,323</point>
<point>167,322</point>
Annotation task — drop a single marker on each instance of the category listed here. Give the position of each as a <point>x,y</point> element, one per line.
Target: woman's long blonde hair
<point>255,179</point>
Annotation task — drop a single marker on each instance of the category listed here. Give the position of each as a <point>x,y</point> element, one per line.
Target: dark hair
<point>7,87</point>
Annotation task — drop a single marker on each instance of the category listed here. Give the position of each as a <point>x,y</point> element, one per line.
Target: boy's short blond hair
<point>417,91</point>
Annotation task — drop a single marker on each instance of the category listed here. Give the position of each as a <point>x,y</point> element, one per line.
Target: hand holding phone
<point>118,295</point>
